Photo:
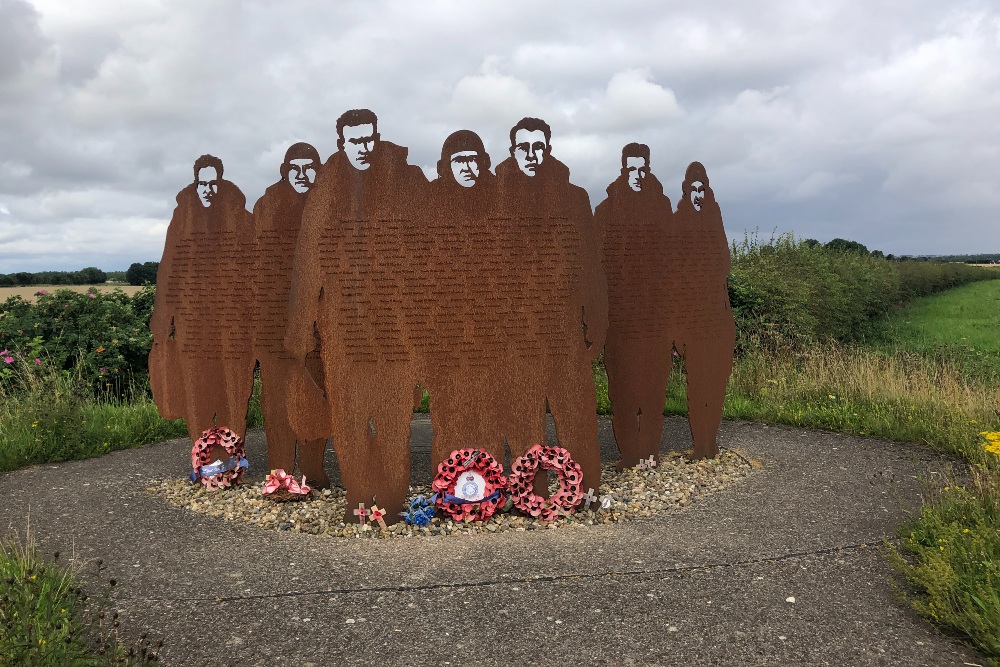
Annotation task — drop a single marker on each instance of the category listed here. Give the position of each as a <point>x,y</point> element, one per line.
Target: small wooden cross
<point>647,464</point>
<point>377,514</point>
<point>361,513</point>
<point>606,501</point>
<point>588,498</point>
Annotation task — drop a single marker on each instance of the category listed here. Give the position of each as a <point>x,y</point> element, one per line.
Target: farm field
<point>28,293</point>
<point>960,326</point>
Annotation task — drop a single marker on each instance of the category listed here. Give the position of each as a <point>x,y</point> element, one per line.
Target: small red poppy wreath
<point>218,458</point>
<point>563,501</point>
<point>469,485</point>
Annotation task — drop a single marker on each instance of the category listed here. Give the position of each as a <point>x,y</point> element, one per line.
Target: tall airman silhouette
<point>201,365</point>
<point>351,267</point>
<point>561,257</point>
<point>634,222</point>
<point>277,218</point>
<point>700,317</point>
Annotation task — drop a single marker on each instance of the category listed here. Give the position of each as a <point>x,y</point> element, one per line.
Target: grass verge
<point>57,420</point>
<point>949,559</point>
<point>47,620</point>
<point>958,327</point>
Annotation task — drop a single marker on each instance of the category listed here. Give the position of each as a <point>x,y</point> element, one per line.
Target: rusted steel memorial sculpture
<point>356,281</point>
<point>201,364</point>
<point>635,220</point>
<point>277,218</point>
<point>699,314</point>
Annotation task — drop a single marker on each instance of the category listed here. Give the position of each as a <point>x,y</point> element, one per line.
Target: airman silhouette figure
<point>201,365</point>
<point>351,266</point>
<point>480,292</point>
<point>700,317</point>
<point>277,218</point>
<point>634,222</point>
<point>560,256</point>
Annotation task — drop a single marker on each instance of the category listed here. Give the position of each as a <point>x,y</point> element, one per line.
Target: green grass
<point>949,557</point>
<point>58,421</point>
<point>960,327</point>
<point>47,620</point>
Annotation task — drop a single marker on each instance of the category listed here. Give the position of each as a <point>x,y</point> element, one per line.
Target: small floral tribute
<point>420,512</point>
<point>218,459</point>
<point>469,485</point>
<point>280,486</point>
<point>563,501</point>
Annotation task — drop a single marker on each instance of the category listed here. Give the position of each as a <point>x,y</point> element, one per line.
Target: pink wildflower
<point>91,295</point>
<point>41,292</point>
<point>4,353</point>
<point>8,360</point>
<point>38,362</point>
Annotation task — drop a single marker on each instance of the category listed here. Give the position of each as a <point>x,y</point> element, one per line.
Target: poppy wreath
<point>217,474</point>
<point>522,476</point>
<point>469,485</point>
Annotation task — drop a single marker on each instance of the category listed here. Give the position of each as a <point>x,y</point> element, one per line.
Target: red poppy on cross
<point>361,513</point>
<point>377,514</point>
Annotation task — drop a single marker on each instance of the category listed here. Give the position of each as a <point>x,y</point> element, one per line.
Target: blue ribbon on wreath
<point>211,469</point>
<point>448,498</point>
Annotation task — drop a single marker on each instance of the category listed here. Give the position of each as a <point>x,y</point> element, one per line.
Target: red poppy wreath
<point>469,485</point>
<point>522,476</point>
<point>218,458</point>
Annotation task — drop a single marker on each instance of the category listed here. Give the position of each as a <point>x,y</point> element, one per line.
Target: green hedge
<point>102,338</point>
<point>790,291</point>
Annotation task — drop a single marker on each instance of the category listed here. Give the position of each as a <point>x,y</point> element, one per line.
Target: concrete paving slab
<point>809,524</point>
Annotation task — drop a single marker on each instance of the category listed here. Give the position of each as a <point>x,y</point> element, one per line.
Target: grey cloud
<point>867,121</point>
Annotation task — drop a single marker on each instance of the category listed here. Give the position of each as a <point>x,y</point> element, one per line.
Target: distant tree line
<point>88,276</point>
<point>137,274</point>
<point>853,247</point>
<point>985,258</point>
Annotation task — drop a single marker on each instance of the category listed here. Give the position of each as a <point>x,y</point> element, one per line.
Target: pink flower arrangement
<point>279,485</point>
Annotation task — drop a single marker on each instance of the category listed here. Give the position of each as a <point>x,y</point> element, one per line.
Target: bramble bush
<point>101,338</point>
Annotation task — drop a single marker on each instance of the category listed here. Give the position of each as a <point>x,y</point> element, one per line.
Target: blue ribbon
<point>211,469</point>
<point>448,498</point>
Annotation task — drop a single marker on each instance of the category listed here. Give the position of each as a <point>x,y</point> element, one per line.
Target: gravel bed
<point>637,494</point>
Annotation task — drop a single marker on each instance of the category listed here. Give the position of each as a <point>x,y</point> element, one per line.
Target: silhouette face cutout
<point>465,167</point>
<point>302,174</point>
<point>636,169</point>
<point>697,194</point>
<point>208,185</point>
<point>529,150</point>
<point>359,142</point>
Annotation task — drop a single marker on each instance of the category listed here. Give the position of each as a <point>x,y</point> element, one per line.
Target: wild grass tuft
<point>47,620</point>
<point>55,418</point>
<point>949,557</point>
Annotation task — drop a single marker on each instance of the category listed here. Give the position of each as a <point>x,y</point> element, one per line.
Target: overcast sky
<point>873,121</point>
